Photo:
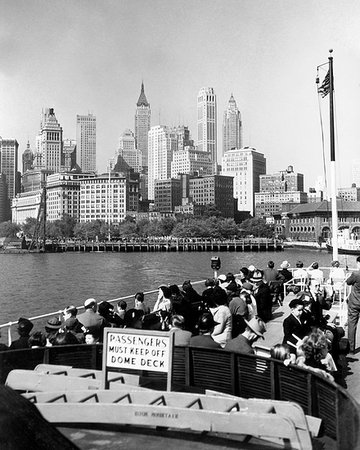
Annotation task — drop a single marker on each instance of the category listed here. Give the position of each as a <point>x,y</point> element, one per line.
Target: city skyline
<point>79,59</point>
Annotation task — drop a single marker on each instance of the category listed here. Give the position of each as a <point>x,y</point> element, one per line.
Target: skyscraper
<point>142,125</point>
<point>86,142</point>
<point>127,150</point>
<point>232,128</point>
<point>9,165</point>
<point>49,142</point>
<point>207,122</point>
<point>245,165</point>
<point>162,144</point>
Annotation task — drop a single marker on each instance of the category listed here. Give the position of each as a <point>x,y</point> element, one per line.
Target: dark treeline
<point>184,227</point>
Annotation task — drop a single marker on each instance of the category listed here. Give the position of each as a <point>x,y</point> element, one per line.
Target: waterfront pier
<point>168,245</point>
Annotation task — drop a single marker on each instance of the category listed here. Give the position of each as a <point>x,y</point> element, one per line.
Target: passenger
<point>313,354</point>
<point>206,326</point>
<point>91,338</point>
<point>209,286</point>
<point>251,269</point>
<point>37,340</point>
<point>282,353</point>
<point>300,275</point>
<point>190,293</point>
<point>255,329</point>
<point>52,328</point>
<point>270,273</point>
<point>139,303</point>
<point>222,315</point>
<point>353,305</point>
<point>163,301</point>
<point>65,338</point>
<point>243,276</point>
<point>221,281</point>
<point>284,272</point>
<point>232,285</point>
<point>336,279</point>
<point>181,336</point>
<point>247,293</point>
<point>121,309</point>
<point>262,295</point>
<point>180,305</point>
<point>316,276</point>
<point>24,327</point>
<point>70,320</point>
<point>106,310</point>
<point>294,327</point>
<point>239,310</point>
<point>133,318</point>
<point>90,319</point>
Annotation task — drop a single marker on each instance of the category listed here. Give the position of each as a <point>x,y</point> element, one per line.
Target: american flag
<point>324,89</point>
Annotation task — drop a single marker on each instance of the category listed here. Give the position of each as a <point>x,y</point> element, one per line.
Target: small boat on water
<point>347,244</point>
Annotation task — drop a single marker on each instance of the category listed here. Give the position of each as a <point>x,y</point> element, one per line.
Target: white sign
<point>131,350</point>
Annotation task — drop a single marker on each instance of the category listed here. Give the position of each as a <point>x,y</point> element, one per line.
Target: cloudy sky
<point>80,56</point>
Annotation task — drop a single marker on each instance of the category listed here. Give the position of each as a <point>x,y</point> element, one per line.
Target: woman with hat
<point>52,328</point>
<point>23,329</point>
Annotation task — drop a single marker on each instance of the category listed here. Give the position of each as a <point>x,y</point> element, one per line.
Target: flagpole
<point>334,215</point>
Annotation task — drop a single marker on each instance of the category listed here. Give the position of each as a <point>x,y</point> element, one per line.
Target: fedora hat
<point>257,326</point>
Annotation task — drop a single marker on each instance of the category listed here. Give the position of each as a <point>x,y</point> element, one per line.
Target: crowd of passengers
<point>230,313</point>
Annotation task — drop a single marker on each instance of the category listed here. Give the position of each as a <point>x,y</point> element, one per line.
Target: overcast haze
<point>91,56</point>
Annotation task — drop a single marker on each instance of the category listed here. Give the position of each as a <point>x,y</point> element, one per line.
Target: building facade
<point>5,209</point>
<point>49,143</point>
<point>167,195</point>
<point>128,151</point>
<point>26,205</point>
<point>188,160</point>
<point>142,125</point>
<point>162,142</point>
<point>310,221</point>
<point>213,190</point>
<point>9,165</point>
<point>245,165</point>
<point>207,122</point>
<point>232,127</point>
<point>351,194</point>
<point>278,189</point>
<point>86,142</point>
<point>103,197</point>
<point>27,158</point>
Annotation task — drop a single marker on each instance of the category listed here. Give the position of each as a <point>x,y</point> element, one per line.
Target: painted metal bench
<point>280,422</point>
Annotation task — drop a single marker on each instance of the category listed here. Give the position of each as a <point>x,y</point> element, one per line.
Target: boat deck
<point>274,335</point>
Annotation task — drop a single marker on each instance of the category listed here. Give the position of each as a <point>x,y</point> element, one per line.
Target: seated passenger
<point>181,336</point>
<point>52,328</point>
<point>24,327</point>
<point>300,275</point>
<point>316,276</point>
<point>37,340</point>
<point>222,316</point>
<point>140,303</point>
<point>294,327</point>
<point>255,329</point>
<point>206,326</point>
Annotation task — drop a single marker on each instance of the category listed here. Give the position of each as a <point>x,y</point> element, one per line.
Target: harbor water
<point>34,284</point>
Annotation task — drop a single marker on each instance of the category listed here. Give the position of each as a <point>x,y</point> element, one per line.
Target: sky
<point>90,56</point>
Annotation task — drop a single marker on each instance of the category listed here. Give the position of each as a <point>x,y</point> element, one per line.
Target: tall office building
<point>161,144</point>
<point>245,165</point>
<point>207,122</point>
<point>49,143</point>
<point>9,165</point>
<point>232,127</point>
<point>142,125</point>
<point>5,210</point>
<point>86,142</point>
<point>27,158</point>
<point>128,151</point>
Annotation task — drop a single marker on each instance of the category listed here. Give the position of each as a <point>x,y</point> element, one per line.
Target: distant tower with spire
<point>142,125</point>
<point>232,127</point>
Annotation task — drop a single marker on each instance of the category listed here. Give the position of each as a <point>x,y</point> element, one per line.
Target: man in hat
<point>52,328</point>
<point>90,319</point>
<point>206,326</point>
<point>255,329</point>
<point>263,297</point>
<point>294,327</point>
<point>24,327</point>
<point>284,272</point>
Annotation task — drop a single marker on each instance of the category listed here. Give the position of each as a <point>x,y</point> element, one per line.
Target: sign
<point>127,348</point>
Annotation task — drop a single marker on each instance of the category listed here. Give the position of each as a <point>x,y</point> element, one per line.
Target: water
<point>34,284</point>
